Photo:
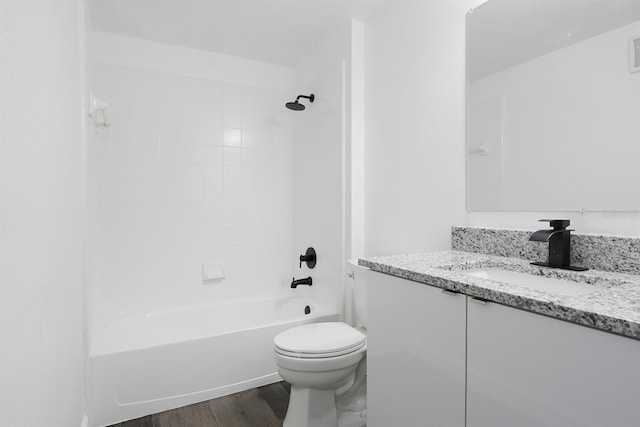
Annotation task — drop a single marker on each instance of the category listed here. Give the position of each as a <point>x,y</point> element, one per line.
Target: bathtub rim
<point>97,346</point>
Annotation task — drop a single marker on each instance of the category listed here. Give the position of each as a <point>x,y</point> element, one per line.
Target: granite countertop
<point>614,305</point>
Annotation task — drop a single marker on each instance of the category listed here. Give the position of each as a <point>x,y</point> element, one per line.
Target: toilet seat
<point>318,355</point>
<point>319,340</point>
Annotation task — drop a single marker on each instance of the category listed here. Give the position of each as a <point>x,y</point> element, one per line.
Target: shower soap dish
<point>212,272</point>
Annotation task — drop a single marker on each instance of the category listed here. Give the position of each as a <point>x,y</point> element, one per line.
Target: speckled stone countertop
<point>613,306</point>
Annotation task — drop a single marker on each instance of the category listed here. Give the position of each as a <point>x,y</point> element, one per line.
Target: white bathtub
<point>149,363</point>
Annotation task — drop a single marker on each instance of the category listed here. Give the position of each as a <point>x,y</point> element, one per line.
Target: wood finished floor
<point>259,407</point>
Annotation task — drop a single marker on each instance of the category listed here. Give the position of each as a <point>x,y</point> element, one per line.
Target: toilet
<point>325,365</point>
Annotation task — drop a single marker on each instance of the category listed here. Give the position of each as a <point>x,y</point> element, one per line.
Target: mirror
<point>553,105</point>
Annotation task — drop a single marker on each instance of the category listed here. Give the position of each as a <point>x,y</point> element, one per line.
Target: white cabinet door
<point>415,354</point>
<point>525,369</point>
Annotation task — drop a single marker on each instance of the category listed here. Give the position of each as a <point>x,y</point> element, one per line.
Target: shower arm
<point>310,97</point>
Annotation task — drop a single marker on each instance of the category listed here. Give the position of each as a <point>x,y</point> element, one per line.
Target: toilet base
<point>352,404</point>
<point>353,419</point>
<point>311,408</point>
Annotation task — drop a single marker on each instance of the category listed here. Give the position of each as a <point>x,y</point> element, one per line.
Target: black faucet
<point>559,239</point>
<point>306,281</point>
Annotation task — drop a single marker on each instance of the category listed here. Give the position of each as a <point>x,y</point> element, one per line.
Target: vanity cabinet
<point>524,369</point>
<point>415,354</point>
<point>436,359</point>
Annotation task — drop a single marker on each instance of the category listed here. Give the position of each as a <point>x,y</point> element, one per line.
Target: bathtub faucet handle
<point>306,281</point>
<point>309,257</point>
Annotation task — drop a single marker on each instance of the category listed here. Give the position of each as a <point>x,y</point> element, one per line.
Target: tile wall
<point>191,172</point>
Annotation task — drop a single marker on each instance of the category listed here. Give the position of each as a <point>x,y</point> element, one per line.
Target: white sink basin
<point>531,281</point>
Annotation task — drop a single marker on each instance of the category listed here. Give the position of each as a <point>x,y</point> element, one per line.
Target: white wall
<point>148,55</point>
<point>319,170</point>
<point>414,149</point>
<point>41,295</point>
<point>415,135</point>
<point>355,143</point>
<point>196,169</point>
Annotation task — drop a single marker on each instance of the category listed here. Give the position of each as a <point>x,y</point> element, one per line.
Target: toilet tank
<point>355,311</point>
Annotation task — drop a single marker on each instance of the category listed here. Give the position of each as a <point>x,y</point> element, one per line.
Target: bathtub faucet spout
<point>306,281</point>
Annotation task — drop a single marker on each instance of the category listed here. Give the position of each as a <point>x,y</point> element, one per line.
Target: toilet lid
<point>326,339</point>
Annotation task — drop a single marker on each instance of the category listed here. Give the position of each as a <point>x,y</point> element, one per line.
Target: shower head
<point>296,106</point>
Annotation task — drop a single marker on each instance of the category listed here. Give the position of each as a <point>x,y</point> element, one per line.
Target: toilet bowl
<point>318,360</point>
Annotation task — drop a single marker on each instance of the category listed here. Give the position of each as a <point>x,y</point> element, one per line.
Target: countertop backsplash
<point>606,253</point>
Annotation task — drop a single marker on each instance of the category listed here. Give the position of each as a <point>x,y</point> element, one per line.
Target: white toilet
<point>325,365</point>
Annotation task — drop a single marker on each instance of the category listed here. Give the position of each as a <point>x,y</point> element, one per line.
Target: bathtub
<point>148,363</point>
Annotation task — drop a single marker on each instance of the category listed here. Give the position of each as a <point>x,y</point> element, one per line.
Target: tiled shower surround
<point>606,253</point>
<point>190,172</point>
